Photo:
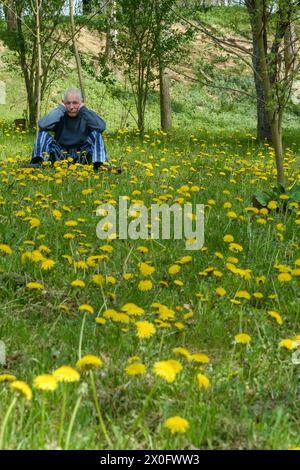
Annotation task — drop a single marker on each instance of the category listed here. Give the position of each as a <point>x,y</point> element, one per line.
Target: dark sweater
<point>71,132</point>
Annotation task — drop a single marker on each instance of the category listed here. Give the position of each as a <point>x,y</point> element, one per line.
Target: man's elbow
<point>41,125</point>
<point>102,126</point>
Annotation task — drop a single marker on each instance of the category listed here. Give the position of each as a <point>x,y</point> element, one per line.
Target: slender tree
<point>38,6</point>
<point>76,52</point>
<point>274,60</point>
<point>277,63</point>
<point>148,42</point>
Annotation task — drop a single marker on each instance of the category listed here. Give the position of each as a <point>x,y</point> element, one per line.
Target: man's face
<point>72,103</point>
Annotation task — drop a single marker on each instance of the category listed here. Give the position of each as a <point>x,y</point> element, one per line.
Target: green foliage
<point>264,197</point>
<point>147,41</point>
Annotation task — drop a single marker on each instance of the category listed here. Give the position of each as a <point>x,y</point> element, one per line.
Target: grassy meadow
<point>163,347</point>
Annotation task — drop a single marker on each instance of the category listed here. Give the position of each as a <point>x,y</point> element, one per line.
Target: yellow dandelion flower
<point>145,329</point>
<point>81,264</point>
<point>228,238</point>
<point>243,294</point>
<point>100,321</point>
<point>47,264</point>
<point>98,279</point>
<point>7,378</point>
<point>66,374</point>
<point>174,269</point>
<point>235,247</point>
<point>34,285</point>
<point>109,313</point>
<point>128,276</point>
<point>260,279</point>
<point>146,269</point>
<point>176,424</point>
<point>63,307</point>
<point>203,381</point>
<point>89,362</point>
<point>167,370</point>
<point>258,295</point>
<point>179,283</point>
<point>5,249</point>
<point>179,325</point>
<point>185,260</point>
<point>68,258</point>
<point>200,357</point>
<point>284,277</point>
<point>217,273</point>
<point>164,312</point>
<point>111,280</point>
<point>34,222</point>
<point>142,249</point>
<point>132,309</point>
<point>135,369</point>
<point>106,248</point>
<point>45,382</point>
<point>56,214</point>
<point>183,352</point>
<point>276,315</point>
<point>232,260</point>
<point>288,344</point>
<point>78,283</point>
<point>133,359</point>
<point>86,308</point>
<point>120,318</point>
<point>69,236</point>
<point>220,291</point>
<point>71,223</point>
<point>22,388</point>
<point>44,248</point>
<point>272,205</point>
<point>145,285</point>
<point>242,338</point>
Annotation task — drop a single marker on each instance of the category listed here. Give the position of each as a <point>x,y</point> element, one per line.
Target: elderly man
<point>77,134</point>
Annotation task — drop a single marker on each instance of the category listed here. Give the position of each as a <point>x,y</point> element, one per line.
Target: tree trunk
<point>25,70</point>
<point>10,16</point>
<point>77,56</point>
<point>111,32</point>
<point>263,131</point>
<point>140,112</point>
<point>277,144</point>
<point>289,48</point>
<point>38,4</point>
<point>165,100</point>
<point>273,114</point>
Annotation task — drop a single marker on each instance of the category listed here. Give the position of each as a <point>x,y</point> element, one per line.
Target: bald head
<point>73,101</point>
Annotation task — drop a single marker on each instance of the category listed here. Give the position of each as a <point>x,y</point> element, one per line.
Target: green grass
<point>252,398</point>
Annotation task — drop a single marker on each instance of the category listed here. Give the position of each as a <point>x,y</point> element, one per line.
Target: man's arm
<point>47,123</point>
<point>95,122</point>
